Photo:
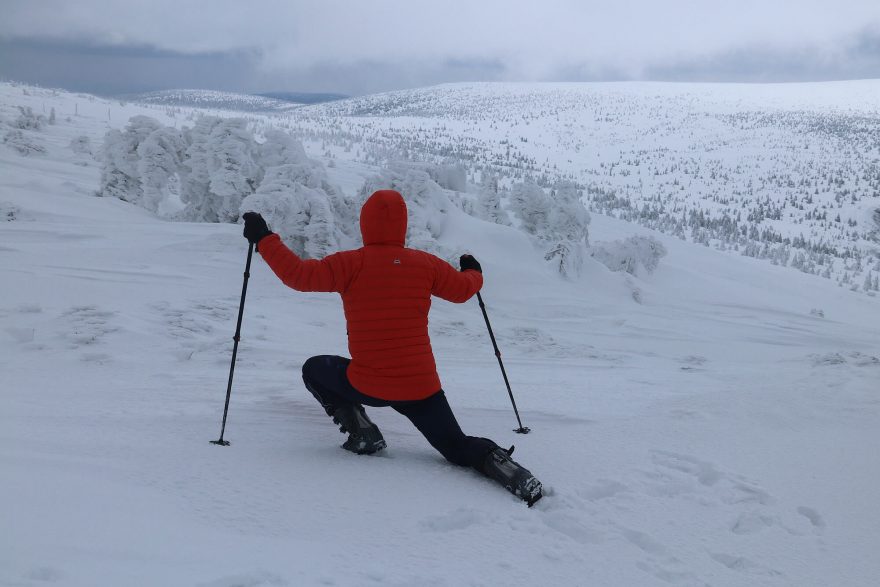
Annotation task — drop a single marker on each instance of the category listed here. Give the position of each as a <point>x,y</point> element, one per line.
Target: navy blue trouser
<point>325,374</point>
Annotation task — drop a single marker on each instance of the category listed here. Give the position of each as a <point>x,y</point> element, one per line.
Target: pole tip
<point>220,442</point>
<point>522,430</point>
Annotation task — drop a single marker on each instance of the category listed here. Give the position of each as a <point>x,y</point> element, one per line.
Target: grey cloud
<point>856,58</point>
<point>106,69</point>
<point>120,69</point>
<point>117,69</point>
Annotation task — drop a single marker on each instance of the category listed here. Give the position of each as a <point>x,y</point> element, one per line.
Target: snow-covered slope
<point>213,99</point>
<point>784,172</point>
<point>719,431</point>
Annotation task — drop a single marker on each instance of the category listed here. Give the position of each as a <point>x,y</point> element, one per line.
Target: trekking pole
<point>236,338</point>
<point>522,429</point>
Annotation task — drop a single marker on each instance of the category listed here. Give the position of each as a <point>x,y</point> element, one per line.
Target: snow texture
<point>720,432</point>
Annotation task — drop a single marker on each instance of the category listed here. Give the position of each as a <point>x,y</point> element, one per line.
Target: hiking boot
<point>513,476</point>
<point>364,437</point>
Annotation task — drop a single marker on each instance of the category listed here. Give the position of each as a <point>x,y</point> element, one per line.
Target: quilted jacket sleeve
<point>331,274</point>
<point>452,285</point>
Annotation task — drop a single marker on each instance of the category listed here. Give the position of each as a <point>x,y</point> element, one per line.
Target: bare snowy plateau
<point>712,421</point>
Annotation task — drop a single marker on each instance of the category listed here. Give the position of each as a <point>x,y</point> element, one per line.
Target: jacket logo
<point>397,261</point>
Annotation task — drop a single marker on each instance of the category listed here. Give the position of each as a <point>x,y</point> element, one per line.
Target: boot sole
<point>369,447</point>
<point>365,450</point>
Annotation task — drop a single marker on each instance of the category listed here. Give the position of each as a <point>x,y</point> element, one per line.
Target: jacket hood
<point>383,219</point>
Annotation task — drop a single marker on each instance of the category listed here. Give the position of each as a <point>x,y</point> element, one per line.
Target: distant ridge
<point>213,99</point>
<point>304,97</point>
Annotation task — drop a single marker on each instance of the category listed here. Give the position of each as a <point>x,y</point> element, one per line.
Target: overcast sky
<point>358,47</point>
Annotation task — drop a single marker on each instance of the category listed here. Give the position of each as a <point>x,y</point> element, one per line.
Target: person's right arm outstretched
<point>332,273</point>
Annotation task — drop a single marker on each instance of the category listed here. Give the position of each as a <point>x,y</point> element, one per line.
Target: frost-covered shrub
<point>630,254</point>
<point>81,145</point>
<point>9,212</point>
<point>22,143</point>
<point>28,120</point>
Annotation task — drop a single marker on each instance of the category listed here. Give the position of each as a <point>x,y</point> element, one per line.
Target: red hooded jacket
<point>386,293</point>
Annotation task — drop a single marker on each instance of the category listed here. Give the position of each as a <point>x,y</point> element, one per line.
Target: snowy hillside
<point>710,423</point>
<point>789,172</point>
<point>213,99</point>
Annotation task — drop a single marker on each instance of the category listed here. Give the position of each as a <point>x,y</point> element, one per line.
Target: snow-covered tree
<point>489,200</point>
<point>197,170</point>
<point>531,205</point>
<point>280,148</point>
<point>567,229</point>
<point>302,215</point>
<point>233,173</point>
<point>558,221</point>
<point>119,171</point>
<point>427,204</point>
<point>220,169</point>
<point>568,218</point>
<point>630,254</point>
<point>160,156</point>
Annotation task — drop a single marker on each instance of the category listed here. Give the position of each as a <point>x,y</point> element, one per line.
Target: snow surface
<point>718,432</point>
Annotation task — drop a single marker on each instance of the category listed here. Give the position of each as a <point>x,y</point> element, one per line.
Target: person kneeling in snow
<point>386,293</point>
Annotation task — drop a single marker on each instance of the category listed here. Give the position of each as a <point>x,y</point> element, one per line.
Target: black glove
<point>468,262</point>
<point>255,228</point>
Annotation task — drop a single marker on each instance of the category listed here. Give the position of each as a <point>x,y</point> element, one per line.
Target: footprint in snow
<point>677,475</point>
<point>817,521</point>
<point>751,523</point>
